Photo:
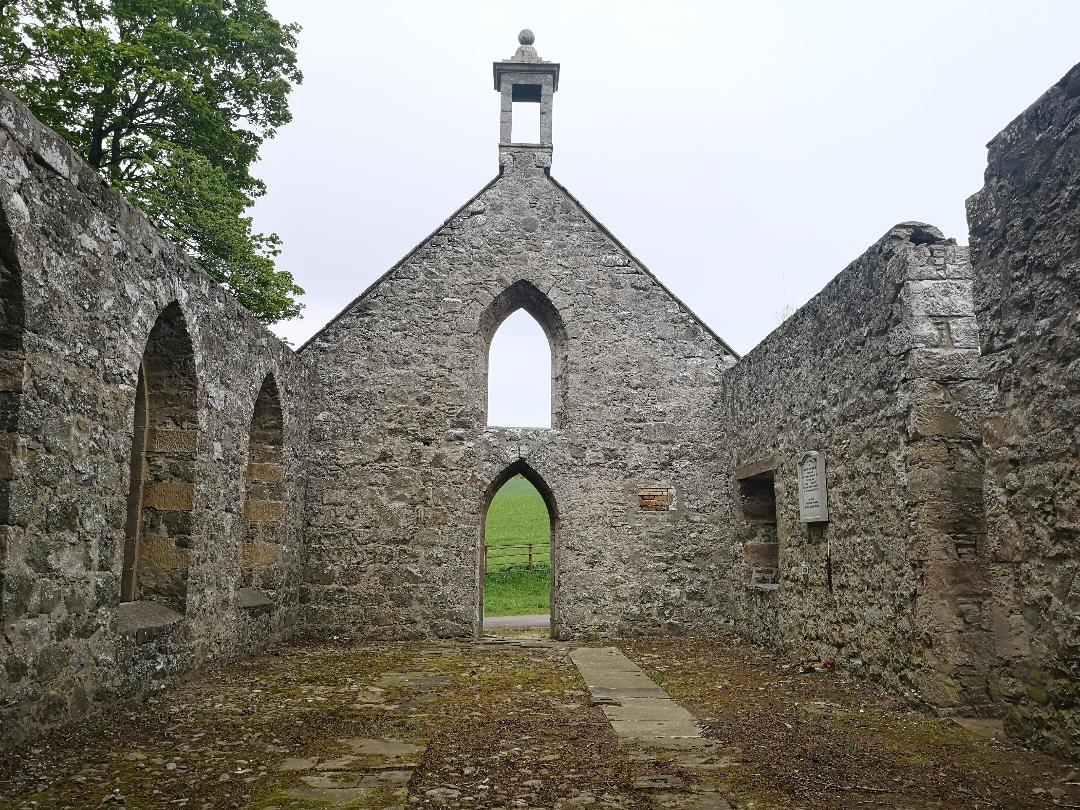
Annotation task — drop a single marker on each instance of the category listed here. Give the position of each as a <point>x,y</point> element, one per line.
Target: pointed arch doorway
<point>520,556</point>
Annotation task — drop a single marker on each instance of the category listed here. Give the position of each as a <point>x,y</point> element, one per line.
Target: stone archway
<point>160,525</point>
<point>263,542</point>
<point>522,468</point>
<point>525,295</point>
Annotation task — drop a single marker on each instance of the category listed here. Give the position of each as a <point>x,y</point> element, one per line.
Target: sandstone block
<point>169,496</point>
<point>10,454</point>
<point>260,554</point>
<point>266,472</point>
<point>263,511</point>
<point>171,441</point>
<point>12,373</point>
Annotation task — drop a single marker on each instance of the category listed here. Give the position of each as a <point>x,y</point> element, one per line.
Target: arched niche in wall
<point>164,468</point>
<point>12,379</point>
<point>260,557</point>
<point>524,295</point>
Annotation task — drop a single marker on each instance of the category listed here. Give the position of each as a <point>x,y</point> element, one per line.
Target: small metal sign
<point>813,491</point>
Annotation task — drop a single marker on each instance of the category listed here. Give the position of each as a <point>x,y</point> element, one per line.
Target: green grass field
<point>517,516</point>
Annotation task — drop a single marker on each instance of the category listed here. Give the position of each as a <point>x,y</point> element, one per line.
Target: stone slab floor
<point>511,722</point>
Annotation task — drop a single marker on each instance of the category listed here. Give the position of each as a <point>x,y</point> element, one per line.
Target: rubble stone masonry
<point>1025,242</point>
<point>891,479</point>
<point>402,463</point>
<point>878,373</point>
<point>85,280</point>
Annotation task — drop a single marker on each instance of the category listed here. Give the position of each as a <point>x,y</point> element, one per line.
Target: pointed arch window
<point>519,376</point>
<point>524,384</point>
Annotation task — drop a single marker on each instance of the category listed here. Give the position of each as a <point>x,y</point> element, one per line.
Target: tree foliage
<point>170,100</point>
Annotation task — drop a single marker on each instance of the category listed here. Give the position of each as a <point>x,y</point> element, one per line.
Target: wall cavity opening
<point>518,570</point>
<point>261,555</point>
<point>761,548</point>
<point>160,525</point>
<point>525,113</point>
<point>12,383</point>
<point>519,374</point>
<point>522,386</point>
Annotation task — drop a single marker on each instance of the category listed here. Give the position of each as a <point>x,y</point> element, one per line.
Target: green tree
<point>170,100</point>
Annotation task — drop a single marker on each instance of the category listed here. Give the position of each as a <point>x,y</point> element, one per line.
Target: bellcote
<point>525,79</point>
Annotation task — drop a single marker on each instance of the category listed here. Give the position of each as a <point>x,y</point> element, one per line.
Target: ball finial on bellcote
<point>526,37</point>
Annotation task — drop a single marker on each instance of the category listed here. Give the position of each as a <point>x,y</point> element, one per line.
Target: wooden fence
<point>524,555</point>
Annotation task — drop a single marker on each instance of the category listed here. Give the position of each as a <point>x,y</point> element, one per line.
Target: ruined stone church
<point>891,479</point>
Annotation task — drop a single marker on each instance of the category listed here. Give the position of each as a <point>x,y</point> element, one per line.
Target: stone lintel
<point>273,473</point>
<point>523,70</point>
<point>752,468</point>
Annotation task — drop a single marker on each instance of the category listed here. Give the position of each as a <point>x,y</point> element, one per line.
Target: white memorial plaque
<point>813,495</point>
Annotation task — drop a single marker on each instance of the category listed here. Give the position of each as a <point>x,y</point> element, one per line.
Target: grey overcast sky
<point>746,152</point>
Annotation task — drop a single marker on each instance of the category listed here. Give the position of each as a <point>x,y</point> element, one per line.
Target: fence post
<point>530,557</point>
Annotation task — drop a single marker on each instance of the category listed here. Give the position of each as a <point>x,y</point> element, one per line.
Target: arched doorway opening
<point>518,552</point>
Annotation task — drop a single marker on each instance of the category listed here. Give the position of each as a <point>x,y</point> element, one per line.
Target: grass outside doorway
<point>517,533</point>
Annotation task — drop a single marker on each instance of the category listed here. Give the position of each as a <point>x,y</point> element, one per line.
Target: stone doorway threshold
<point>517,622</point>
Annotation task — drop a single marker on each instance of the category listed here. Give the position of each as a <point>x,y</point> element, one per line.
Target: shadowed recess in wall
<point>12,375</point>
<point>260,560</point>
<point>161,496</point>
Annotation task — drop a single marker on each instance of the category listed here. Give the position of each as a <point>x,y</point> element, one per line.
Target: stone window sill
<point>145,620</point>
<point>254,600</point>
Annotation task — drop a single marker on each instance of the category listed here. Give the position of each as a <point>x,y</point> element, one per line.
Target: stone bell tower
<point>525,78</point>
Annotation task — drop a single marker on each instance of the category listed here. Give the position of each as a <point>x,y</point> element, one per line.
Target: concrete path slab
<point>638,709</point>
<point>517,622</point>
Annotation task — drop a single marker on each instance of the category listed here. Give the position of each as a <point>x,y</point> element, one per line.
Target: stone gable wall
<point>878,372</point>
<point>85,277</point>
<point>1025,241</point>
<point>401,462</point>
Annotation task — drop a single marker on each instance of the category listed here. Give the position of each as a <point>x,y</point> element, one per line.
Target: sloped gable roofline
<point>588,215</point>
<point>377,282</point>
<point>621,247</point>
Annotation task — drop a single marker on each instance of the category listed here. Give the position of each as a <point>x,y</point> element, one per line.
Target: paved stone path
<point>637,708</point>
<point>517,622</point>
<point>642,714</point>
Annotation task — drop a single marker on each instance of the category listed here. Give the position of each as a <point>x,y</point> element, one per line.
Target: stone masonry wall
<point>1025,241</point>
<point>402,464</point>
<point>85,278</point>
<point>879,372</point>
